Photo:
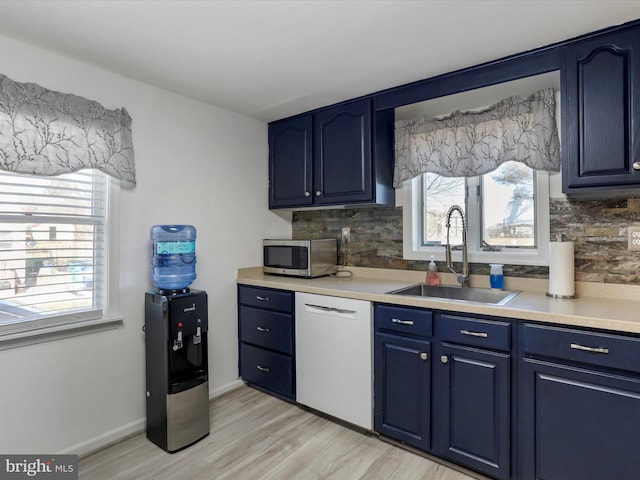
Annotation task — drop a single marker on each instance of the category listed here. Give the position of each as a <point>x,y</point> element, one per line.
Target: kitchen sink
<point>467,294</point>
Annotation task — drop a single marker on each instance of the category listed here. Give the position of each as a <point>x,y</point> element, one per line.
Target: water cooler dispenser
<point>176,328</point>
<point>177,369</point>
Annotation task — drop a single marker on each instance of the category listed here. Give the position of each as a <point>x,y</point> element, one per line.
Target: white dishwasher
<point>334,357</point>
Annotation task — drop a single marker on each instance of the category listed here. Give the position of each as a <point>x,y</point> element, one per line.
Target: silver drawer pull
<point>263,299</point>
<point>263,369</point>
<point>402,322</point>
<point>474,334</point>
<point>636,165</point>
<point>577,346</point>
<point>263,329</point>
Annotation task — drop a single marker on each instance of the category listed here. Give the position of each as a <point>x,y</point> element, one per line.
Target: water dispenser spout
<point>177,343</point>
<point>197,338</point>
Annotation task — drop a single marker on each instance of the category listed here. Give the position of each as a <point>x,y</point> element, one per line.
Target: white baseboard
<point>104,440</point>
<point>107,439</point>
<point>225,388</point>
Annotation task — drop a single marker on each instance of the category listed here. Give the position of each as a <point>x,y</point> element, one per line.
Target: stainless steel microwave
<point>300,258</point>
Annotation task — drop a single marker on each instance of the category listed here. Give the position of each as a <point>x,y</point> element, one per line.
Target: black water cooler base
<point>176,369</point>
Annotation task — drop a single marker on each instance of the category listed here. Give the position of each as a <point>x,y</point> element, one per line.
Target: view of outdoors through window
<point>439,193</point>
<point>506,207</point>
<point>50,242</point>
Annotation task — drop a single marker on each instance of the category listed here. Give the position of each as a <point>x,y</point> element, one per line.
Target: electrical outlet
<point>634,237</point>
<point>346,234</point>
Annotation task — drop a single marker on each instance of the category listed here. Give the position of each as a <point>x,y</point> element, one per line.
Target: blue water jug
<point>173,256</point>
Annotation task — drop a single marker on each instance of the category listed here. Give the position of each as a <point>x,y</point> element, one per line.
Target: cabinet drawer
<point>266,298</point>
<point>614,351</point>
<point>273,330</point>
<point>411,321</point>
<point>269,370</point>
<point>474,331</point>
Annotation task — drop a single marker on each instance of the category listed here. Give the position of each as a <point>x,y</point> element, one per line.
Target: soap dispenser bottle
<point>433,277</point>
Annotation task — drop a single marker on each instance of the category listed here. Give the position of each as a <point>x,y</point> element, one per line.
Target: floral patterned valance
<point>467,144</point>
<point>43,132</point>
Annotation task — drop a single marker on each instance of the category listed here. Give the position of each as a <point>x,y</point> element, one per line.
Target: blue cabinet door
<point>577,423</point>
<point>290,162</point>
<point>342,154</point>
<point>601,113</point>
<point>402,393</point>
<point>472,408</point>
<point>267,370</point>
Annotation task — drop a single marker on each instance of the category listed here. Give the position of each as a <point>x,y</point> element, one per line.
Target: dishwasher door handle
<point>322,308</point>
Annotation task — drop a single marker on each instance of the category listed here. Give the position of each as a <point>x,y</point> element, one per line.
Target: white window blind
<point>52,249</point>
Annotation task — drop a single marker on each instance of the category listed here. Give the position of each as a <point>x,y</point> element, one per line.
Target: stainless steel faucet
<point>462,278</point>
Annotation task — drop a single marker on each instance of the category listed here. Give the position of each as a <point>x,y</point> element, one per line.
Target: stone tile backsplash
<point>598,228</point>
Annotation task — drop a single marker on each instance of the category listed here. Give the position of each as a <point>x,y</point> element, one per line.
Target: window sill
<point>505,256</point>
<point>48,334</point>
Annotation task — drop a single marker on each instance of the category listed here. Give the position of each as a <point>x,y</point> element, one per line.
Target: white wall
<point>196,164</point>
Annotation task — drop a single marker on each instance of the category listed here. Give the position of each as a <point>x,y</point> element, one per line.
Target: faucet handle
<point>490,248</point>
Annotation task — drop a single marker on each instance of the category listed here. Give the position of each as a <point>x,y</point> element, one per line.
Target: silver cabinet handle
<point>307,194</point>
<point>636,165</point>
<point>444,359</point>
<point>474,334</point>
<point>424,356</point>
<point>263,369</point>
<point>263,329</point>
<point>577,346</point>
<point>318,193</point>
<point>402,322</point>
<point>263,299</point>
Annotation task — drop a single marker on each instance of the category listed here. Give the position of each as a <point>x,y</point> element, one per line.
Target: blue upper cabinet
<point>290,162</point>
<point>342,154</point>
<point>332,157</point>
<point>601,113</point>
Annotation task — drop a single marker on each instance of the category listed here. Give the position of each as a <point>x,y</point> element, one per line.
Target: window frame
<point>410,198</point>
<point>68,325</point>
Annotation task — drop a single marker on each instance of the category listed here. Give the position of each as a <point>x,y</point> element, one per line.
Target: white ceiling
<point>273,58</point>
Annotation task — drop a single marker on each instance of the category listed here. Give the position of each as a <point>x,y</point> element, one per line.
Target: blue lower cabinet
<point>472,408</point>
<point>402,402</point>
<point>266,335</point>
<point>578,423</point>
<point>448,399</point>
<point>269,370</point>
<point>579,404</point>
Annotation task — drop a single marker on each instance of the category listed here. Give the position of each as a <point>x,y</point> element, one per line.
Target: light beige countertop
<point>598,305</point>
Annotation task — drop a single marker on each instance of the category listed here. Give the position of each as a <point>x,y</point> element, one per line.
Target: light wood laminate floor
<point>254,436</point>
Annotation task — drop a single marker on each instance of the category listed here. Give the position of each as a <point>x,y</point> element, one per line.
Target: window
<point>507,208</point>
<point>53,249</point>
<point>506,212</point>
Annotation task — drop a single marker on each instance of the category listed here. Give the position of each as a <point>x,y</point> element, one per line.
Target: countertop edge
<point>606,312</point>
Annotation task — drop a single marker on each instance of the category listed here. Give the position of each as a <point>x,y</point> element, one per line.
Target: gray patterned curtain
<point>467,144</point>
<point>43,132</point>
